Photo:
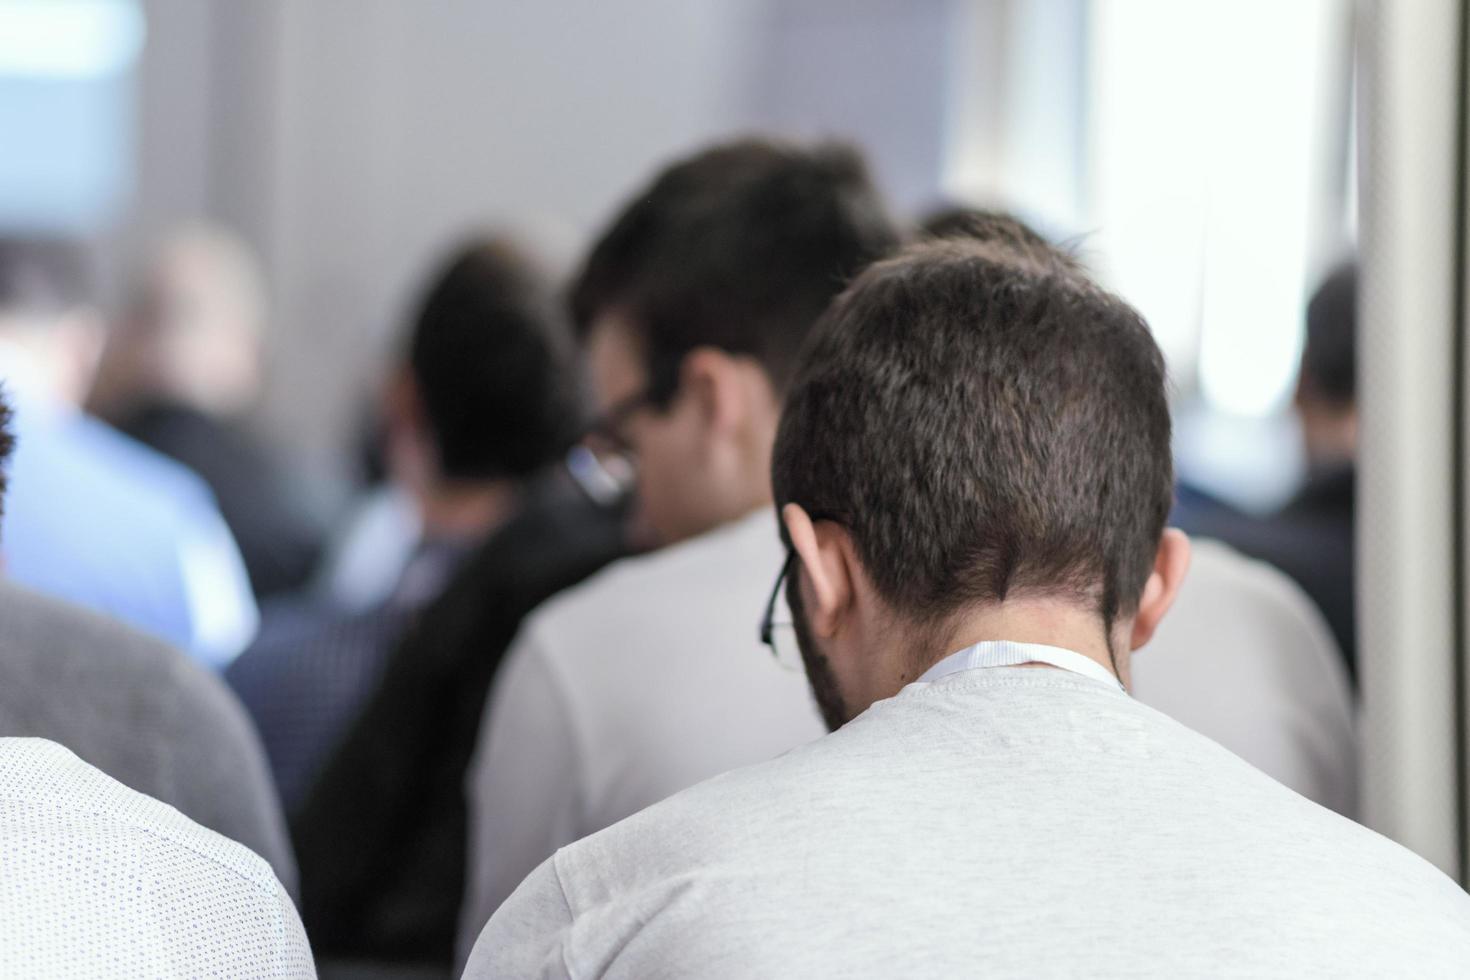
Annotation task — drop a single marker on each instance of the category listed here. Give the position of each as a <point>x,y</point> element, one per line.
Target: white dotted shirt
<point>99,881</point>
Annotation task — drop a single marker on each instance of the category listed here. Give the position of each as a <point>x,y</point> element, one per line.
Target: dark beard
<point>819,673</point>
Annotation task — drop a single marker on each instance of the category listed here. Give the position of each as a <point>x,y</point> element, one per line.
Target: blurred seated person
<point>180,370</point>
<point>1311,538</point>
<point>973,474</point>
<point>93,516</point>
<point>138,710</point>
<point>483,398</point>
<point>102,881</point>
<point>381,833</point>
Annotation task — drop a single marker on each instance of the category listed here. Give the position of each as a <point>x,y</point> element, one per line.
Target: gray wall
<point>351,140</point>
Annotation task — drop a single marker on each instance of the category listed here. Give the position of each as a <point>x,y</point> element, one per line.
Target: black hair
<point>739,247</point>
<point>1329,356</point>
<point>493,361</point>
<point>985,426</point>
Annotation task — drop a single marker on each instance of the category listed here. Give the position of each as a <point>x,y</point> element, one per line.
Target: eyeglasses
<point>780,634</point>
<point>603,462</point>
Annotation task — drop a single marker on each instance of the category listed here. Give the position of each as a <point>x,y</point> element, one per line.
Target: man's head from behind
<point>193,330</point>
<point>976,446</point>
<point>487,389</point>
<point>1326,396</point>
<point>693,305</point>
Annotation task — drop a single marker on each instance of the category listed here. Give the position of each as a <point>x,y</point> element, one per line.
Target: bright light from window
<point>68,39</point>
<point>1207,178</point>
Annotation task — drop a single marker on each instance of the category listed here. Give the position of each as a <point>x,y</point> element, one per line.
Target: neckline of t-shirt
<point>1017,676</point>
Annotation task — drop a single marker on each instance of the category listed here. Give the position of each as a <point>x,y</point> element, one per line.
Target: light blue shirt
<point>95,518</point>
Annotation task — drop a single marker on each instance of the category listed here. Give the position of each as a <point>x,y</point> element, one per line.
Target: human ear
<point>710,378</point>
<point>824,567</point>
<point>1171,562</point>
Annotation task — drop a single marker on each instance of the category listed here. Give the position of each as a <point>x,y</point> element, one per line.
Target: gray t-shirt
<point>1000,821</point>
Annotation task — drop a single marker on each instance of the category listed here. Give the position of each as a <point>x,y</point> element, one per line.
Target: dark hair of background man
<point>740,248</point>
<point>1329,357</point>
<point>492,366</point>
<point>999,227</point>
<point>985,427</point>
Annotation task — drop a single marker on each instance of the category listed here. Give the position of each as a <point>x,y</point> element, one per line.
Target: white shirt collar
<point>1007,653</point>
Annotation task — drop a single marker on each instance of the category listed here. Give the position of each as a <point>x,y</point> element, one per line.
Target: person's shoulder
<point>1404,885</point>
<point>698,817</point>
<point>67,639</point>
<point>644,587</point>
<point>1224,586</point>
<point>121,694</point>
<point>142,466</point>
<point>48,778</point>
<point>1216,566</point>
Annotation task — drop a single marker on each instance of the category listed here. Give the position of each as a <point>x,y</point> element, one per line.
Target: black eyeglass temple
<point>768,625</point>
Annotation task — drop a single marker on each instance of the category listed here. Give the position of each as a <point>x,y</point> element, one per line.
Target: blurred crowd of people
<point>545,620</point>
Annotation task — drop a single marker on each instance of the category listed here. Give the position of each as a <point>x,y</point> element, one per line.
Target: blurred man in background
<point>974,474</point>
<point>95,517</point>
<point>1311,538</point>
<point>482,399</point>
<point>650,677</point>
<point>180,371</point>
<point>486,400</point>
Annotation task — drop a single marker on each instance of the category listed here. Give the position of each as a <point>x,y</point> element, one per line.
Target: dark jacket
<point>381,837</point>
<point>278,537</point>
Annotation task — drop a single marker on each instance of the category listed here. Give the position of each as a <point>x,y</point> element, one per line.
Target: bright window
<point>67,112</point>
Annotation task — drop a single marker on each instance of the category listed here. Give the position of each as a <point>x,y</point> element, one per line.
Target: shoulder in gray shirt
<point>1003,821</point>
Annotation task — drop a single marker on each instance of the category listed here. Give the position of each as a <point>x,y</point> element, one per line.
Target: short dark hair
<point>740,247</point>
<point>494,364</point>
<point>44,276</point>
<point>984,426</point>
<point>999,227</point>
<point>1329,356</point>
